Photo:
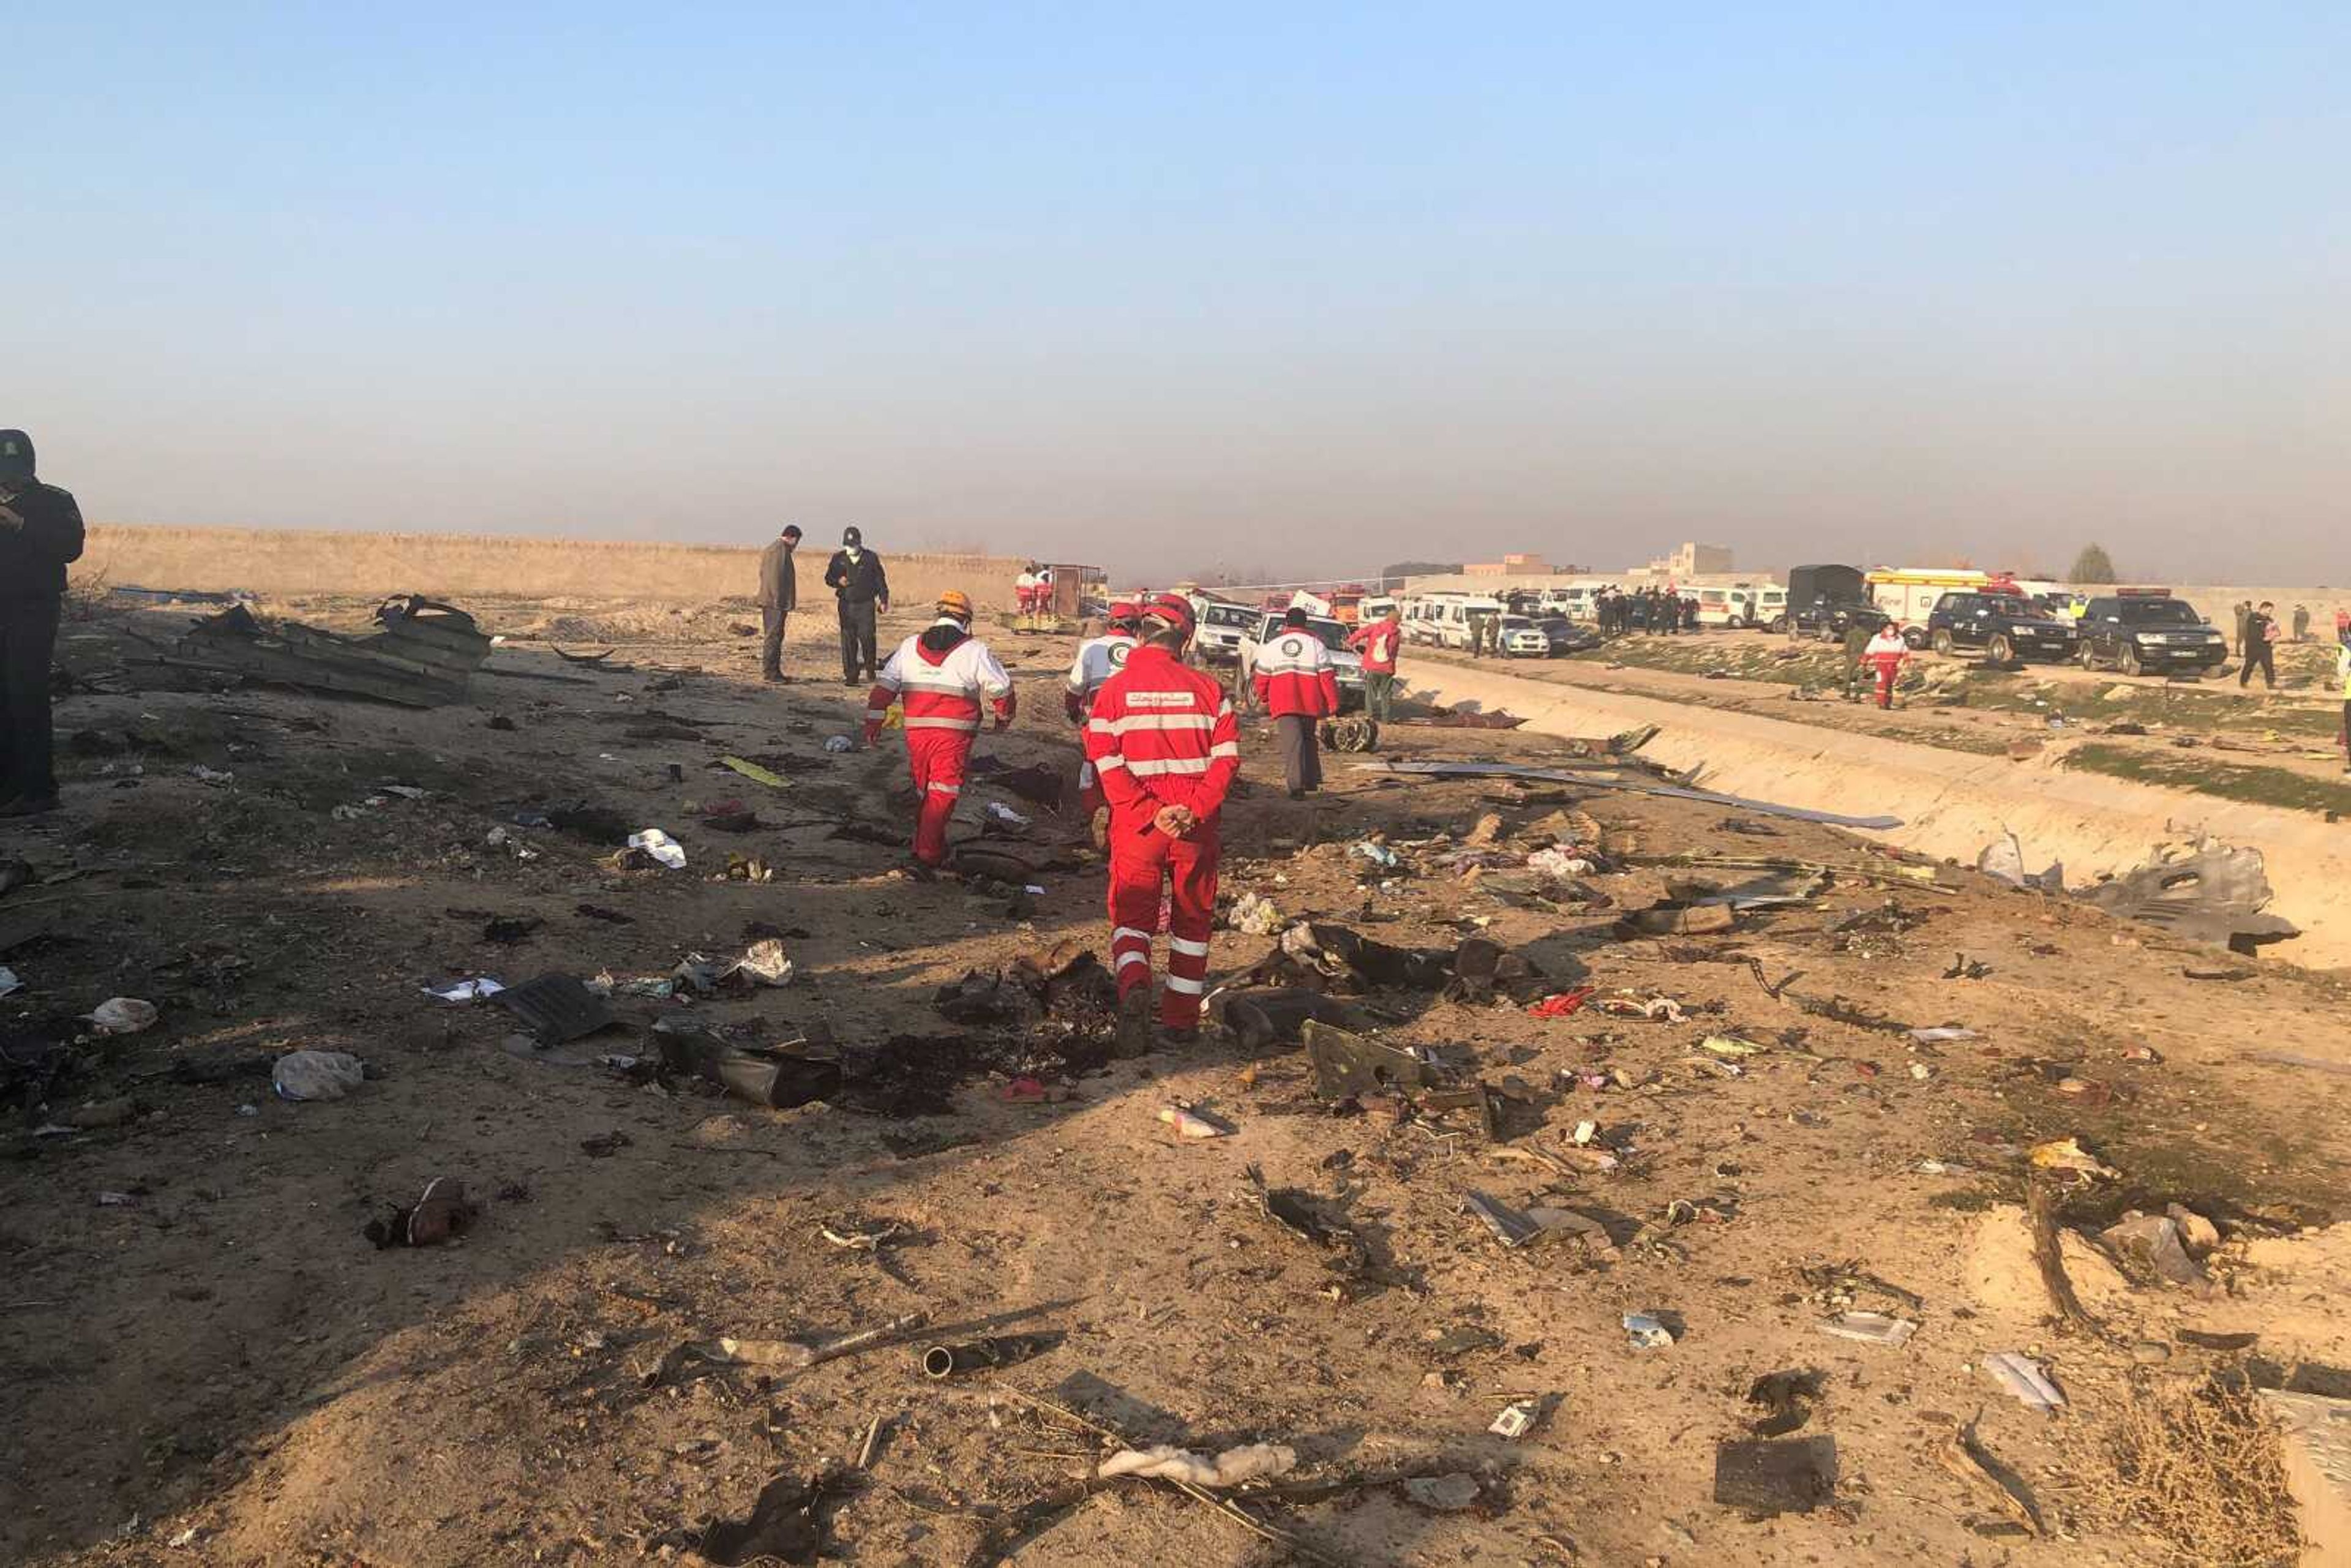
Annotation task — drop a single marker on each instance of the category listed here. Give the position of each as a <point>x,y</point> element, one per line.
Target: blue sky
<point>1303,288</point>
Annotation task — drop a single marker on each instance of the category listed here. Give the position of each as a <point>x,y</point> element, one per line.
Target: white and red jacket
<point>1378,644</point>
<point>941,674</point>
<point>1293,675</point>
<point>1099,658</point>
<point>1163,734</point>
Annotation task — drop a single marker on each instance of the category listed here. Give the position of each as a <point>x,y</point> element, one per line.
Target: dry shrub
<point>2200,1466</point>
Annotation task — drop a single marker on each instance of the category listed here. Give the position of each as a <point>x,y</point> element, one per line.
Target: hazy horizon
<point>1303,292</point>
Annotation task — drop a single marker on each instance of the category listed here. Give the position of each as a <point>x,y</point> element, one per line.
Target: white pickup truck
<point>1346,662</point>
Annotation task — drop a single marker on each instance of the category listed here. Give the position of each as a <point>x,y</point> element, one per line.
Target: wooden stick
<point>870,1449</point>
<point>2048,1254</point>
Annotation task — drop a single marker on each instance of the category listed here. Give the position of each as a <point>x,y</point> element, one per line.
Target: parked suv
<point>2144,628</point>
<point>2008,627</point>
<point>1222,630</point>
<point>1828,617</point>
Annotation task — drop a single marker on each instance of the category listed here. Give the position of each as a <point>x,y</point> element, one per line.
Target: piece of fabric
<point>1302,757</point>
<point>1145,867</point>
<point>1162,733</point>
<point>28,635</point>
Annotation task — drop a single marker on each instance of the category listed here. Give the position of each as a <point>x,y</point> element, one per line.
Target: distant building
<point>1691,561</point>
<point>1508,565</point>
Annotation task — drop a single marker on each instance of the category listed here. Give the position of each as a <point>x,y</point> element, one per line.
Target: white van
<point>1453,624</point>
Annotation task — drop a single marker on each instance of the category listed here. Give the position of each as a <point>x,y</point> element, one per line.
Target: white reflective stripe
<point>1132,956</point>
<point>1183,986</point>
<point>1085,775</point>
<point>1105,764</point>
<point>1158,721</point>
<point>1225,749</point>
<point>1285,667</point>
<point>1098,727</point>
<point>1122,933</point>
<point>1144,769</point>
<point>1224,708</point>
<point>946,789</point>
<point>970,724</point>
<point>1191,949</point>
<point>939,681</point>
<point>876,715</point>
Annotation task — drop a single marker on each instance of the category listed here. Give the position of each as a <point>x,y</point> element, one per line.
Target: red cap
<point>1125,610</point>
<point>1173,609</point>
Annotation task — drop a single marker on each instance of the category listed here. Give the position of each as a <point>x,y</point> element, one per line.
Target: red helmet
<point>1171,610</point>
<point>1124,612</point>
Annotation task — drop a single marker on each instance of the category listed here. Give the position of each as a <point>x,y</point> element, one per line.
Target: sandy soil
<point>218,1368</point>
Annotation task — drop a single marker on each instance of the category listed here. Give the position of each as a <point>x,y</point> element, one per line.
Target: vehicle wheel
<point>1778,625</point>
<point>2131,666</point>
<point>1943,643</point>
<point>2000,650</point>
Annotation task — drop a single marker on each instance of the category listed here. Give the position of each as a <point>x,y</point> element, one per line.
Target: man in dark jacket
<point>855,576</point>
<point>779,595</point>
<point>40,532</point>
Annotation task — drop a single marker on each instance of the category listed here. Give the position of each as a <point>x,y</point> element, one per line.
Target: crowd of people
<point>1618,611</point>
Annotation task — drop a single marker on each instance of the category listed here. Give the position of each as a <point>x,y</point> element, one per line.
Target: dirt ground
<point>2280,747</point>
<point>205,1360</point>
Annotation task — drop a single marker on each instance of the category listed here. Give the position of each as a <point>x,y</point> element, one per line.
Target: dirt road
<point>205,1360</point>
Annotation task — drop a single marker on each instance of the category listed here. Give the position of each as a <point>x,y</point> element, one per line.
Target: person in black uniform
<point>41,532</point>
<point>855,576</point>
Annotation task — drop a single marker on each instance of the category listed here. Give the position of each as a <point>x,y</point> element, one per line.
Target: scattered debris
<point>659,846</point>
<point>2067,1154</point>
<point>1509,1226</point>
<point>1250,1462</point>
<point>2003,860</point>
<point>755,773</point>
<point>438,1214</point>
<point>555,1008</point>
<point>1299,1212</point>
<point>1870,1328</point>
<point>317,1074</point>
<point>2154,1242</point>
<point>1596,780</point>
<point>466,990</point>
<point>2206,894</point>
<point>2022,1377</point>
<point>783,1524</point>
<point>1517,1419</point>
<point>1443,1494</point>
<point>1786,1399</point>
<point>782,1076</point>
<point>1190,1123</point>
<point>1254,915</point>
<point>122,1015</point>
<point>423,657</point>
<point>1766,1477</point>
<point>1647,1332</point>
<point>1347,1064</point>
<point>981,1355</point>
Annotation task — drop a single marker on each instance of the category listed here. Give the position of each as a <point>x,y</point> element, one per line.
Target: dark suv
<point>2143,630</point>
<point>2008,627</point>
<point>1828,617</point>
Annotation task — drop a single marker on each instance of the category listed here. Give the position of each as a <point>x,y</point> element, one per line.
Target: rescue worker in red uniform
<point>1296,681</point>
<point>1166,746</point>
<point>943,674</point>
<point>1099,658</point>
<point>1887,653</point>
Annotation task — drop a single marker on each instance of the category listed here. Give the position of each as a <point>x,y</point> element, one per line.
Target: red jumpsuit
<point>1888,653</point>
<point>942,675</point>
<point>1163,735</point>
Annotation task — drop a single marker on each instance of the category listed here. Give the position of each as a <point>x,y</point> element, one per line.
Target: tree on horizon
<point>2093,565</point>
